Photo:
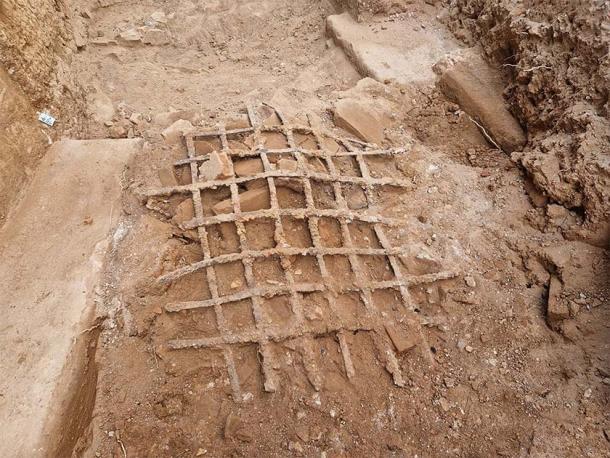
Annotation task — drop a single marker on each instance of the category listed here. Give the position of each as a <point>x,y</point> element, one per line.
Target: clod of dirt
<point>470,82</point>
<point>557,310</point>
<point>171,406</point>
<point>359,119</point>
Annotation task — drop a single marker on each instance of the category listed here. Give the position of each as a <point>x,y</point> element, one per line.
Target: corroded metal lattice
<point>263,335</point>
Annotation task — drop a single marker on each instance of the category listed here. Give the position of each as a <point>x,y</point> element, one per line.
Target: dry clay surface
<point>49,287</point>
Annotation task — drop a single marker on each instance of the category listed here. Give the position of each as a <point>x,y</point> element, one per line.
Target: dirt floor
<point>413,292</point>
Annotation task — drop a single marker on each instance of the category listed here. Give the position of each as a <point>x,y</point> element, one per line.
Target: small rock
<point>159,17</point>
<point>136,118</point>
<point>234,430</point>
<point>184,212</point>
<point>401,338</point>
<point>445,404</point>
<point>174,133</point>
<point>120,129</point>
<point>557,310</point>
<point>359,119</point>
<point>130,37</point>
<point>217,167</point>
<point>314,313</point>
<point>155,37</point>
<point>250,200</point>
<point>468,348</point>
<point>295,447</point>
<point>102,41</point>
<point>470,281</point>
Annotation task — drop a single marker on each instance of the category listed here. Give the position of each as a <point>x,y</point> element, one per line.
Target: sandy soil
<point>486,368</point>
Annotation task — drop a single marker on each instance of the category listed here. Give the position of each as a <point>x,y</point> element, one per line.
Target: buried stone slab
<point>378,53</point>
<point>52,251</point>
<point>469,81</point>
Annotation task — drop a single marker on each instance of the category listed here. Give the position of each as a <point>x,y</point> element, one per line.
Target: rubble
<point>174,133</point>
<point>217,167</point>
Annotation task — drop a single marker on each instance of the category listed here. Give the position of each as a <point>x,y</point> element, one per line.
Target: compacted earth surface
<point>327,250</point>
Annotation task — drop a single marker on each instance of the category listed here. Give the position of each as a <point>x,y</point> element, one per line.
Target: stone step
<point>52,248</point>
<point>401,51</point>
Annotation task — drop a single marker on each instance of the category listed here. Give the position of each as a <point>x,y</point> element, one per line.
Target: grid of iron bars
<point>261,334</point>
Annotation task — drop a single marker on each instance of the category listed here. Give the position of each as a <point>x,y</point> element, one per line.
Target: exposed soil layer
<point>555,55</point>
<point>36,46</point>
<point>22,143</point>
